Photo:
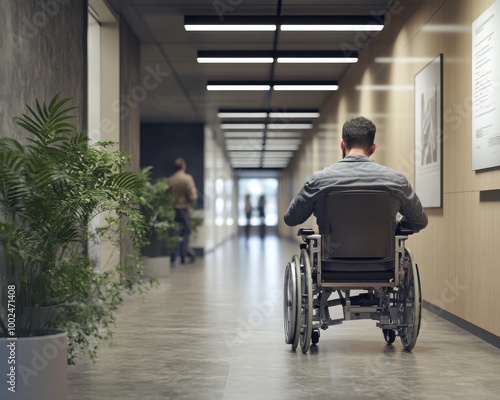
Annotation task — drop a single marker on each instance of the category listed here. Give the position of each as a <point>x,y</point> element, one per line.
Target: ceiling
<point>182,96</point>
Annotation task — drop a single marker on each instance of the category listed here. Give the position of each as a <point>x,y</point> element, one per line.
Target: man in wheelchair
<point>360,246</point>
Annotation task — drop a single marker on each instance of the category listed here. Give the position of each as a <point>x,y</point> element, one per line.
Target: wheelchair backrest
<point>358,226</point>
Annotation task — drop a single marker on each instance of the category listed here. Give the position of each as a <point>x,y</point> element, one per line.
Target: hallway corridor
<point>214,330</point>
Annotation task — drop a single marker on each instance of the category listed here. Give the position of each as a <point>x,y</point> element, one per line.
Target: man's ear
<point>342,145</point>
<point>372,149</point>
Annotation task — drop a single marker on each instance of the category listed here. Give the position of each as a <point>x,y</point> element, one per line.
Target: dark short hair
<point>179,163</point>
<point>359,132</point>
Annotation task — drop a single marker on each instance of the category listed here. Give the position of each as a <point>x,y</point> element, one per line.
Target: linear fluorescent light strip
<point>276,114</point>
<point>242,114</point>
<point>235,60</point>
<point>289,126</point>
<point>246,156</point>
<point>239,87</point>
<point>279,134</point>
<point>244,144</point>
<point>312,87</point>
<point>231,28</point>
<point>279,154</point>
<point>276,147</point>
<point>332,28</point>
<point>243,126</point>
<point>316,60</point>
<point>237,147</point>
<point>280,142</point>
<point>252,135</point>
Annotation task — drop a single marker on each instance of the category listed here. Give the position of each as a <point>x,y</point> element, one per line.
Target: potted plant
<point>51,188</point>
<point>162,231</point>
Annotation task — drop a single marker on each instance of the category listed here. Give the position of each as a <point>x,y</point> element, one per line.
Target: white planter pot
<point>35,368</point>
<point>157,266</point>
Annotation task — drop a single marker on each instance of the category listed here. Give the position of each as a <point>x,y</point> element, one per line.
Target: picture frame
<point>429,133</point>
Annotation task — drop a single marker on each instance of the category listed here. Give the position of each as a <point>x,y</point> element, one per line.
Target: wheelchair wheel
<point>307,302</point>
<point>389,335</point>
<point>410,303</point>
<point>291,302</point>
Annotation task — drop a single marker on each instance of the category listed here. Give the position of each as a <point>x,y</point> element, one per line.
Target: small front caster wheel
<point>315,336</point>
<point>389,335</point>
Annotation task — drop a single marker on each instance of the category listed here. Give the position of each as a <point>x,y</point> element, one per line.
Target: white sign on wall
<point>486,89</point>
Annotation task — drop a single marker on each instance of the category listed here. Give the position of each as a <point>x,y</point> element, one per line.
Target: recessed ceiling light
<point>243,126</point>
<point>252,56</point>
<point>306,87</point>
<point>229,134</point>
<point>279,154</point>
<point>294,114</point>
<point>292,147</point>
<point>235,60</point>
<point>264,86</point>
<point>286,23</point>
<point>242,87</point>
<point>242,114</point>
<point>289,126</point>
<point>332,28</point>
<point>278,134</point>
<point>316,60</point>
<point>336,23</point>
<point>245,154</point>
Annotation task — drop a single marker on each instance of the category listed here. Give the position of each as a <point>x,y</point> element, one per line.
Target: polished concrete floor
<point>214,330</point>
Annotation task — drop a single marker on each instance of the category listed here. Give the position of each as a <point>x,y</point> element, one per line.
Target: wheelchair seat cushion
<point>358,265</point>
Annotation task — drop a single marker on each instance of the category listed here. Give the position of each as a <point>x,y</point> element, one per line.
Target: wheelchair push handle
<point>402,229</point>
<point>305,232</point>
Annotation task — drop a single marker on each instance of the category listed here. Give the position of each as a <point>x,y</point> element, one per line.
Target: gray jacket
<point>356,172</point>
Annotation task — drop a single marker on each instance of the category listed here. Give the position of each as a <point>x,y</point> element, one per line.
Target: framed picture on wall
<point>429,133</point>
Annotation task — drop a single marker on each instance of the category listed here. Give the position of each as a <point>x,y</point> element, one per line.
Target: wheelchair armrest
<point>305,232</point>
<point>403,231</point>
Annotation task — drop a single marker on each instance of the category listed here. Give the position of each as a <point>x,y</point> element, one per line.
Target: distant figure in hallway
<point>357,171</point>
<point>262,215</point>
<point>248,214</point>
<point>184,189</point>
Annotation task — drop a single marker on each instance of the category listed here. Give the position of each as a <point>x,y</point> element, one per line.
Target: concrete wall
<point>42,53</point>
<point>458,253</point>
<point>130,85</point>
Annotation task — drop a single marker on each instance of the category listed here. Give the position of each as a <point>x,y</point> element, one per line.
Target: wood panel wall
<point>459,252</point>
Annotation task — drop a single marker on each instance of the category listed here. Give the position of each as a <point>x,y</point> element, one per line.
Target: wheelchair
<point>359,258</point>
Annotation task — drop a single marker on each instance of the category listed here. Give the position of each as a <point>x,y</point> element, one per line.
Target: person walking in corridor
<point>184,189</point>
